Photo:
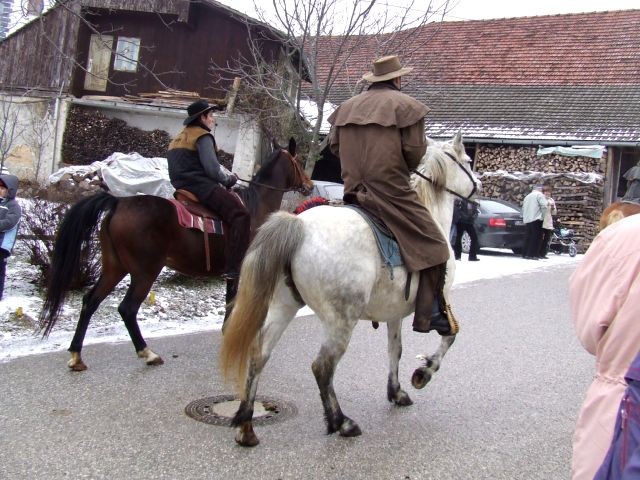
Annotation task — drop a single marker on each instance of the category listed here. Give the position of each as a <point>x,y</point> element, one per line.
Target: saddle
<point>192,214</point>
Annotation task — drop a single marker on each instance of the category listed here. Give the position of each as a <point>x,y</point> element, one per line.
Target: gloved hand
<point>233,178</point>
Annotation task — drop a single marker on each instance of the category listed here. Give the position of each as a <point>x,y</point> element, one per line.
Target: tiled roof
<point>573,77</point>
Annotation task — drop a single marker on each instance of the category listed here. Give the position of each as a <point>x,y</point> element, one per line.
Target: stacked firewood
<point>577,183</point>
<point>521,159</point>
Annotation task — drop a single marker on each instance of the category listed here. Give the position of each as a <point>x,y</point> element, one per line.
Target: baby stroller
<point>562,242</point>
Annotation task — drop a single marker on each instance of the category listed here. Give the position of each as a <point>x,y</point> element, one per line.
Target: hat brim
<point>371,78</point>
<point>196,115</point>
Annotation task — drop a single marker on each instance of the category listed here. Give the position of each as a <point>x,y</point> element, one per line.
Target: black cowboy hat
<point>197,108</point>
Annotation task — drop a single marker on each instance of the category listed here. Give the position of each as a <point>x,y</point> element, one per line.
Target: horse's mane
<point>249,194</point>
<point>432,166</point>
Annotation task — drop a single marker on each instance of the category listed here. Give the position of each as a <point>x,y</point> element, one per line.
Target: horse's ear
<point>458,146</point>
<point>292,146</point>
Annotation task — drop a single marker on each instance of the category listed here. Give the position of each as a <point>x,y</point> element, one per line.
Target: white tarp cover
<point>591,151</point>
<point>127,174</point>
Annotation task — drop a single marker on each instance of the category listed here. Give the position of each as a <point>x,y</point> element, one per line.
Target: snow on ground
<point>182,305</point>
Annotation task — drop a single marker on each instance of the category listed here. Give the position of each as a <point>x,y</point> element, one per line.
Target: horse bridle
<point>298,177</point>
<point>473,190</point>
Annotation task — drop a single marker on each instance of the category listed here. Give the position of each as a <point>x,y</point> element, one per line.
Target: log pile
<point>91,136</point>
<point>520,159</point>
<point>509,173</point>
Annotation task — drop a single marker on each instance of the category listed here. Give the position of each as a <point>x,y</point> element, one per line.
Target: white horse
<point>327,258</point>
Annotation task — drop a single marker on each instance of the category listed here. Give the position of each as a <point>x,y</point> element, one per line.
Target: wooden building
<point>118,47</point>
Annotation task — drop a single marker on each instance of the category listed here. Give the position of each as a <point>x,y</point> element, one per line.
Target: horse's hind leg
<point>128,309</point>
<point>422,375</point>
<point>395,394</point>
<point>90,303</point>
<point>324,367</point>
<point>282,310</point>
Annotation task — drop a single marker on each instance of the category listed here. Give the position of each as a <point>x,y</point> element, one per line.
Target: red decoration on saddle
<point>312,202</point>
<point>189,220</point>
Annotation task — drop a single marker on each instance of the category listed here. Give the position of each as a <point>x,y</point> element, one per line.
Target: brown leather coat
<point>379,136</point>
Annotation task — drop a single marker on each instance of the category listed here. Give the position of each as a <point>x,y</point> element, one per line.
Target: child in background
<point>10,213</point>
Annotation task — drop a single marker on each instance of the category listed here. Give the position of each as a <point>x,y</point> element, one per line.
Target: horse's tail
<point>74,232</point>
<point>269,256</point>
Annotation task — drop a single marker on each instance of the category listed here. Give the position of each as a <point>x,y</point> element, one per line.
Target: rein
<point>298,178</point>
<point>456,194</point>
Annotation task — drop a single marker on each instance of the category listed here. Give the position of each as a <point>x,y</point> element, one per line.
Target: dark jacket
<point>465,212</point>
<point>379,137</point>
<point>10,213</point>
<point>193,162</point>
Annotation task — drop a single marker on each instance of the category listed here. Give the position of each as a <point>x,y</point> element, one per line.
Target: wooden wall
<point>40,56</point>
<point>180,55</point>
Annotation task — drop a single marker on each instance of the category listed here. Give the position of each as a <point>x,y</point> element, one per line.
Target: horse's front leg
<point>128,310</point>
<point>395,394</point>
<point>422,375</point>
<point>324,367</point>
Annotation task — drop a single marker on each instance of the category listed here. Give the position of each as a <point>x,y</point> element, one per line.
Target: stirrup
<point>451,327</point>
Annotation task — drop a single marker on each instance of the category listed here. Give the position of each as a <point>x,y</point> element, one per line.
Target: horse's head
<point>296,178</point>
<point>448,168</point>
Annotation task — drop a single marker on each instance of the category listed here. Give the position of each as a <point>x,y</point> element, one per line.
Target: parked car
<point>499,225</point>
<point>328,190</point>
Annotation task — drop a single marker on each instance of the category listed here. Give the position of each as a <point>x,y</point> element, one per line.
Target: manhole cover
<point>220,410</point>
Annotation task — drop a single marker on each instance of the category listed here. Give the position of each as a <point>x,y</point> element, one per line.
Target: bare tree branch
<point>322,38</point>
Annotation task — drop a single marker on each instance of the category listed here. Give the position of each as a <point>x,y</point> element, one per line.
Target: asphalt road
<point>503,405</point>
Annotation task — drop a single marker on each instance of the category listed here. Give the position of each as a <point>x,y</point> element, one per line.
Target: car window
<point>489,206</point>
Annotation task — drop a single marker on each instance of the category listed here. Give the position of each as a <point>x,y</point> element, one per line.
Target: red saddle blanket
<point>188,219</point>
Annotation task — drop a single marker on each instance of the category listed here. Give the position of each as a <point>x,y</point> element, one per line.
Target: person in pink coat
<point>605,305</point>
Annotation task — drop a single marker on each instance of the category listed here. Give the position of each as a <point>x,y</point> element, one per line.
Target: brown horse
<point>617,211</point>
<point>139,236</point>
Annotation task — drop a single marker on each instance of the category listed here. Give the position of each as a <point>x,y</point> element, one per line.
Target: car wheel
<point>466,242</point>
<point>517,251</point>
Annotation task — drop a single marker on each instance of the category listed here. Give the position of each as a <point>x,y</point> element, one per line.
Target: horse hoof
<point>155,361</point>
<point>349,428</point>
<point>150,357</point>
<point>77,366</point>
<point>402,399</point>
<point>420,378</point>
<point>246,437</point>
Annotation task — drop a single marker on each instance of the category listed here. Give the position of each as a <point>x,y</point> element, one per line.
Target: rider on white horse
<point>379,137</point>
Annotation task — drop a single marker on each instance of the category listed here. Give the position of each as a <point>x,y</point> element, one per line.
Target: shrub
<point>40,220</point>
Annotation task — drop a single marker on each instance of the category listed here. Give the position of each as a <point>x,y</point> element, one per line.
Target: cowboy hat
<point>386,68</point>
<point>196,109</point>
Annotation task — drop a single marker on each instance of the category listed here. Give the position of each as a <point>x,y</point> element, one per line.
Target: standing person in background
<point>10,213</point>
<point>604,294</point>
<point>466,216</point>
<point>534,209</point>
<point>547,222</point>
<point>633,184</point>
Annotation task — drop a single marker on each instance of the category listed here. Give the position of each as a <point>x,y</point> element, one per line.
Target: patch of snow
<point>182,305</point>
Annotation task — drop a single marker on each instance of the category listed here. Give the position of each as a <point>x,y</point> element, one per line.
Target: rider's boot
<point>432,313</point>
<point>236,245</point>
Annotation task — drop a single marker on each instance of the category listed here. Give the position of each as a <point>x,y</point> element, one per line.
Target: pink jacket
<point>605,303</point>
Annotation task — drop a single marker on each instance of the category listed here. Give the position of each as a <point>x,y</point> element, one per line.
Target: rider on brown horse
<point>379,137</point>
<point>194,166</point>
